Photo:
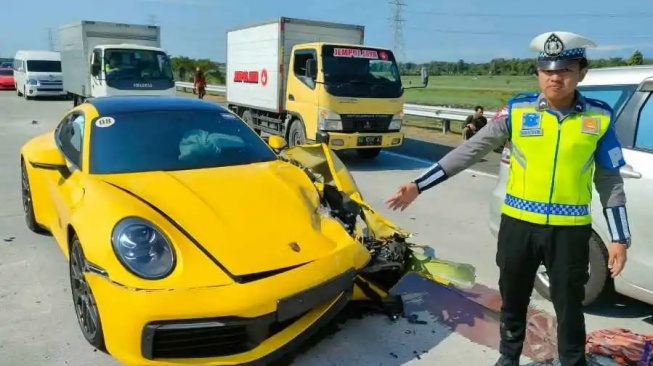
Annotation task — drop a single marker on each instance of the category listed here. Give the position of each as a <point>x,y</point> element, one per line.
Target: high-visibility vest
<point>552,163</point>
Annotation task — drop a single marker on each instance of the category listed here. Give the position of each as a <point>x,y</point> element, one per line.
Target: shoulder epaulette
<point>599,104</point>
<point>523,97</point>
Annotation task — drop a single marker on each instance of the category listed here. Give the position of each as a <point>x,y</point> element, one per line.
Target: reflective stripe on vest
<point>552,164</point>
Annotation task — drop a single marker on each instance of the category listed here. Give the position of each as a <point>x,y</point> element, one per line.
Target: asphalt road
<point>37,324</point>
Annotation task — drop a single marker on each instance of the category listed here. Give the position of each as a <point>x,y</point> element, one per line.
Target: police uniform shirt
<point>557,49</point>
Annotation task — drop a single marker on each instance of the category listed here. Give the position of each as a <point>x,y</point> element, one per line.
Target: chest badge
<point>590,125</point>
<point>531,125</point>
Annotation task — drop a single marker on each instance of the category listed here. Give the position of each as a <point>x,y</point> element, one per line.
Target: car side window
<point>299,66</point>
<point>71,137</point>
<point>644,132</point>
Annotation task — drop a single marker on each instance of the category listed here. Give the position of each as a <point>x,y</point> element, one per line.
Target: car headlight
<point>32,82</point>
<point>397,121</point>
<point>142,248</point>
<point>328,120</point>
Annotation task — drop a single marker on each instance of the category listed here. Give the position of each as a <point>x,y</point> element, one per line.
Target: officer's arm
<point>610,185</point>
<point>466,154</point>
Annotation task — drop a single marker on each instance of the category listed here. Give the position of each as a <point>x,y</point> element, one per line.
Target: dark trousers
<point>564,250</point>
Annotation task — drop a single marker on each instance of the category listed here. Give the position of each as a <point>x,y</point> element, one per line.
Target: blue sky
<point>474,30</point>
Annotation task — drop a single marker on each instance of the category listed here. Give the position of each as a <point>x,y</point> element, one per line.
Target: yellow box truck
<point>313,81</point>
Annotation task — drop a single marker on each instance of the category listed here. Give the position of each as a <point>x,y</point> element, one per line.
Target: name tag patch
<point>590,125</point>
<point>531,125</point>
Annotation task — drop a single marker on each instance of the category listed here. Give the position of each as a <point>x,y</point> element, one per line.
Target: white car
<point>629,90</point>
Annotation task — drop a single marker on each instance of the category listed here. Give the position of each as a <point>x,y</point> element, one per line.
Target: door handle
<point>291,97</point>
<point>627,171</point>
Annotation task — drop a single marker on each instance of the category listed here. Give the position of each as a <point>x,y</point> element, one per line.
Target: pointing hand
<point>406,194</point>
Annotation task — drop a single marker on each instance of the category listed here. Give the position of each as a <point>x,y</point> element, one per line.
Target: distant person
<point>182,73</point>
<point>111,65</point>
<point>474,123</point>
<point>200,83</point>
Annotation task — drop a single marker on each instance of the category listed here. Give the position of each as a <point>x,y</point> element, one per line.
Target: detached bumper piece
<point>226,336</point>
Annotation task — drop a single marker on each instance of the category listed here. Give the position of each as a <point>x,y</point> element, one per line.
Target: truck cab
<point>351,95</point>
<point>103,59</point>
<point>314,81</point>
<point>130,69</point>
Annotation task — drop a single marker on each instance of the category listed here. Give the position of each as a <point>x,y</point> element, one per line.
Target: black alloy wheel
<point>28,205</point>
<point>86,309</point>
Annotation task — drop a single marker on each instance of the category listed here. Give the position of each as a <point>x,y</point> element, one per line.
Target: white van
<point>38,74</point>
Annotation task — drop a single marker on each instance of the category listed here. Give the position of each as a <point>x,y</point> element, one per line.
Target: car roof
<point>107,106</point>
<point>620,75</point>
<point>38,55</point>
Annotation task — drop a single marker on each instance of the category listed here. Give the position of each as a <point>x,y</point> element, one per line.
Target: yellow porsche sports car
<point>190,240</point>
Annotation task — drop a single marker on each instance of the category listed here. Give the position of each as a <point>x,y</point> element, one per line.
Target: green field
<point>492,92</point>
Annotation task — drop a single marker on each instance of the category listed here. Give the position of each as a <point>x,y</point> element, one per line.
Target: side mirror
<point>311,68</point>
<point>424,76</point>
<point>276,142</point>
<point>51,159</point>
<point>95,69</point>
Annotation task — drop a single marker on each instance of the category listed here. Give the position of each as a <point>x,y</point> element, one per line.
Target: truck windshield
<point>43,66</point>
<point>137,69</point>
<point>360,72</point>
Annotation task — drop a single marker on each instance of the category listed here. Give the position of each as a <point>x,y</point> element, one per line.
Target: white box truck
<point>310,80</point>
<point>103,59</point>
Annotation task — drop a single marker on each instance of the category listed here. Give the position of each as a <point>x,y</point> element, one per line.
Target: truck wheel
<point>18,91</point>
<point>598,269</point>
<point>247,117</point>
<point>296,133</point>
<point>368,153</point>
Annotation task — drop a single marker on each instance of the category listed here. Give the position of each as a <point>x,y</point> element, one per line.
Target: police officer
<point>561,141</point>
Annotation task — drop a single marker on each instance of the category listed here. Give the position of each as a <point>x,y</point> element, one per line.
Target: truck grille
<point>50,83</point>
<point>365,122</point>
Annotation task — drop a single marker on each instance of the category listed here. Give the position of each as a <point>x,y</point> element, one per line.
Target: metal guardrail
<point>447,115</point>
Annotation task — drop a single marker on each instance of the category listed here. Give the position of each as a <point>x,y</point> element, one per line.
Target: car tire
<point>28,203</point>
<point>599,278</point>
<point>296,133</point>
<point>247,117</point>
<point>368,153</point>
<point>86,310</point>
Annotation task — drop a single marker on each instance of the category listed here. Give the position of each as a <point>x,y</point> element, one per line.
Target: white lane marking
<point>428,162</point>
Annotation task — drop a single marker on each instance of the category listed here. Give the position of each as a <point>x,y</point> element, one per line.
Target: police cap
<point>559,49</point>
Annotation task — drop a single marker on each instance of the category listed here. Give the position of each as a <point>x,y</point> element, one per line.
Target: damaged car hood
<point>249,217</point>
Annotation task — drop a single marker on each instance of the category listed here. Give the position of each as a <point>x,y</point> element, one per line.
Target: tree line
<point>509,67</point>
<point>184,67</point>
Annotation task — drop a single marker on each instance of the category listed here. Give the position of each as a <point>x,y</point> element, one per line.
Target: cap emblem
<point>553,46</point>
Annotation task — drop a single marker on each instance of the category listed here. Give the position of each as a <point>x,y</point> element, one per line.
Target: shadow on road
<point>432,313</point>
<point>420,153</point>
<point>621,307</point>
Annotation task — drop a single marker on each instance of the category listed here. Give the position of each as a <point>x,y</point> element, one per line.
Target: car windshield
<point>173,140</point>
<point>43,66</point>
<point>6,72</point>
<point>614,95</point>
